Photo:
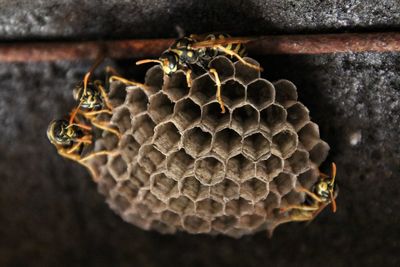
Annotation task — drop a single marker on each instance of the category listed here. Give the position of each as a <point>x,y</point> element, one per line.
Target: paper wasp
<point>323,193</point>
<point>186,52</point>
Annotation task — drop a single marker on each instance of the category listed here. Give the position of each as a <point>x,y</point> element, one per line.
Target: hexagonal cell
<point>136,100</point>
<point>272,202</point>
<point>136,219</point>
<point>253,190</point>
<point>224,223</point>
<point>225,190</point>
<point>260,93</point>
<point>117,94</point>
<point>286,92</point>
<point>244,73</point>
<point>298,115</point>
<point>319,152</point>
<point>212,117</point>
<point>299,162</point>
<point>163,187</point>
<point>209,170</point>
<point>196,225</point>
<point>181,205</point>
<point>160,107</point>
<point>196,142</point>
<point>269,168</point>
<point>238,207</point>
<point>284,143</point>
<point>152,201</point>
<point>106,183</point>
<point>128,189</point>
<point>309,178</point>
<point>245,119</point>
<point>150,158</point>
<point>208,207</point>
<point>170,218</point>
<point>121,203</point>
<point>138,176</point>
<point>251,221</point>
<point>256,146</point>
<point>118,168</point>
<point>282,184</point>
<point>166,137</point>
<point>154,77</point>
<point>223,66</point>
<point>162,227</point>
<point>142,128</point>
<point>309,135</point>
<point>272,118</point>
<point>122,119</point>
<point>176,86</point>
<point>186,113</point>
<point>227,143</point>
<point>193,189</point>
<point>233,93</point>
<point>178,164</point>
<point>203,90</point>
<point>293,198</point>
<point>239,168</point>
<point>129,147</point>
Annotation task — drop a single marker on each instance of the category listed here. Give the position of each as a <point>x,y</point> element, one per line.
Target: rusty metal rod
<point>150,48</point>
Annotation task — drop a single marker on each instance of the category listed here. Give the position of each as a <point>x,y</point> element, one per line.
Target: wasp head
<point>169,62</point>
<point>91,99</point>
<point>326,188</point>
<point>60,133</point>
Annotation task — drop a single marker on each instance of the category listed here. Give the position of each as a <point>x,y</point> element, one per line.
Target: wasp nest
<point>182,165</point>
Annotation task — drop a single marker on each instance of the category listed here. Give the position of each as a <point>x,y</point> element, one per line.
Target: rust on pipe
<point>151,48</point>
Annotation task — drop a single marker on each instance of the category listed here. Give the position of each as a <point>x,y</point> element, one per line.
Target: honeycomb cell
<point>233,93</point>
<point>129,147</point>
<point>193,189</point>
<point>272,118</point>
<point>203,90</point>
<point>196,225</point>
<point>142,128</point>
<point>162,227</point>
<point>135,219</point>
<point>197,142</point>
<point>245,119</point>
<point>163,187</point>
<point>253,190</point>
<point>256,146</point>
<point>244,73</point>
<point>224,223</point>
<point>138,176</point>
<point>107,183</point>
<point>225,190</point>
<point>251,221</point>
<point>267,169</point>
<point>286,92</point>
<point>282,184</point>
<point>160,107</point>
<point>117,94</point>
<point>309,135</point>
<point>179,164</point>
<point>319,152</point>
<point>292,198</point>
<point>213,119</point>
<point>308,178</point>
<point>227,143</point>
<point>118,168</point>
<point>299,162</point>
<point>150,158</point>
<point>209,208</point>
<point>239,168</point>
<point>209,170</point>
<point>238,207</point>
<point>122,119</point>
<point>260,93</point>
<point>181,205</point>
<point>166,137</point>
<point>285,142</point>
<point>223,66</point>
<point>128,190</point>
<point>151,200</point>
<point>171,218</point>
<point>154,77</point>
<point>298,115</point>
<point>136,101</point>
<point>176,86</point>
<point>186,113</point>
<point>121,203</point>
<point>272,202</point>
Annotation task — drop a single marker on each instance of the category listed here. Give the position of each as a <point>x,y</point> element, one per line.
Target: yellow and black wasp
<point>323,193</point>
<point>186,52</point>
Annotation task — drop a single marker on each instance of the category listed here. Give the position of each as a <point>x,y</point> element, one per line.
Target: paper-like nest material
<point>184,166</point>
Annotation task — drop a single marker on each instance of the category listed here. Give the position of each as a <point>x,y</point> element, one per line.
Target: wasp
<point>70,140</point>
<point>186,52</point>
<point>323,193</point>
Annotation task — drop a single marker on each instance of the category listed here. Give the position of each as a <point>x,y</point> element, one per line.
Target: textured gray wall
<point>51,214</point>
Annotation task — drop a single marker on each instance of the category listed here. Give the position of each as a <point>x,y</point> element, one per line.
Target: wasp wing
<point>222,41</point>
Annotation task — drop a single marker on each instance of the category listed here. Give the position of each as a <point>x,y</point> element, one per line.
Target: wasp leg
<point>309,193</point>
<point>218,82</point>
<point>96,112</point>
<point>98,153</point>
<point>234,54</point>
<point>301,216</point>
<point>105,127</point>
<point>298,207</point>
<point>189,77</point>
<point>125,81</point>
<point>104,95</point>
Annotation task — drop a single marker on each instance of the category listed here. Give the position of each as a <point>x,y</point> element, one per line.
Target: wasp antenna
<point>333,173</point>
<point>144,61</point>
<point>333,202</point>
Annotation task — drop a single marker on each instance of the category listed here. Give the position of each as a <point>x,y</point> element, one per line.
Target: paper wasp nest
<point>185,166</point>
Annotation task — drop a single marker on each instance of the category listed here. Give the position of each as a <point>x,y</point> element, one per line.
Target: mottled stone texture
<point>51,213</point>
